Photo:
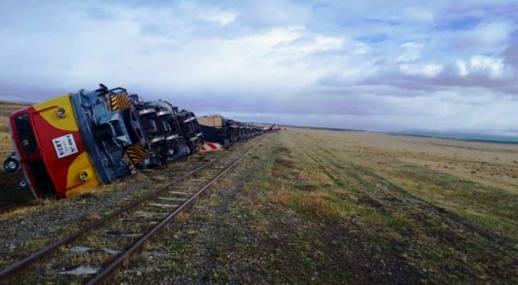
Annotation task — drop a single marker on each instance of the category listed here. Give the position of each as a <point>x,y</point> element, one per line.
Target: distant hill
<point>460,136</point>
<point>322,128</point>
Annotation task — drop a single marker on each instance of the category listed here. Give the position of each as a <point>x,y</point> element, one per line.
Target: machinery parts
<point>158,132</point>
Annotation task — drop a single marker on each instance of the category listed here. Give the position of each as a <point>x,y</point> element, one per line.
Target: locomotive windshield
<point>26,134</point>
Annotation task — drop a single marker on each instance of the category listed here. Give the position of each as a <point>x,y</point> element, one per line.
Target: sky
<point>375,65</point>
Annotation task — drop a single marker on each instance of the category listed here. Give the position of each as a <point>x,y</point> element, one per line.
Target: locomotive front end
<point>49,149</point>
<point>68,144</point>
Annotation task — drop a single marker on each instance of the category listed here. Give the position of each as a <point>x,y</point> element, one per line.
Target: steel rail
<point>125,255</point>
<point>13,268</point>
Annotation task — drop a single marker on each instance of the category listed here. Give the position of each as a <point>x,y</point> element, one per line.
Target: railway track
<point>103,245</point>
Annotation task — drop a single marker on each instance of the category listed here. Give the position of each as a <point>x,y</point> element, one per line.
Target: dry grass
<point>333,208</point>
<point>406,191</point>
<point>313,204</point>
<point>493,165</point>
<point>5,144</point>
<point>5,109</point>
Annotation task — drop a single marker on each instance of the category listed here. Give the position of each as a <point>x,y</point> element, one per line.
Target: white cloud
<point>222,18</point>
<point>272,50</point>
<point>271,38</point>
<point>463,68</point>
<point>494,33</point>
<point>411,52</point>
<point>419,14</point>
<point>494,67</point>
<point>426,70</point>
<point>322,43</point>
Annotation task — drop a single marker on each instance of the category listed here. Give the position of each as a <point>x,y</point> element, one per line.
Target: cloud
<point>493,66</point>
<point>492,33</point>
<point>427,70</point>
<point>411,52</point>
<point>222,18</point>
<point>463,68</point>
<point>381,65</point>
<point>419,14</point>
<point>511,54</point>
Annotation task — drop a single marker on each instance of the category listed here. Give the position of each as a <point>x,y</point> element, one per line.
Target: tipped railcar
<point>191,130</point>
<point>83,139</point>
<point>216,128</point>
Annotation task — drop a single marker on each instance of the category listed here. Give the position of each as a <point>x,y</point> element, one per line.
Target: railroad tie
<point>160,205</point>
<point>140,220</point>
<point>171,199</point>
<point>85,249</point>
<point>121,234</point>
<point>82,270</point>
<point>145,214</point>
<point>178,193</point>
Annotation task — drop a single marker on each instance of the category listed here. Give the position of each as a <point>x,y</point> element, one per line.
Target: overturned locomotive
<point>83,139</point>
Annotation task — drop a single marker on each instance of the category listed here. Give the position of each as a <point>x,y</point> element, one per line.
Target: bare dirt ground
<point>324,207</point>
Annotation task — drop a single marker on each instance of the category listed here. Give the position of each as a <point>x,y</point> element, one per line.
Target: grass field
<point>348,207</point>
<point>345,207</point>
<point>5,109</point>
<point>445,210</point>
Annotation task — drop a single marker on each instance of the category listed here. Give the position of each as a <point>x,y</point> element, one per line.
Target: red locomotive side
<point>51,150</point>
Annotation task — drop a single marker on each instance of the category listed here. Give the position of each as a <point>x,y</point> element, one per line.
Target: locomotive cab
<point>68,144</point>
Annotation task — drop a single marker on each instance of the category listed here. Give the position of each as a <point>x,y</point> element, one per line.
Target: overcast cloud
<point>376,65</point>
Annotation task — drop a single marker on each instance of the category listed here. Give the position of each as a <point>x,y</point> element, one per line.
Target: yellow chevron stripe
<point>141,155</point>
<point>136,153</point>
<point>126,101</point>
<point>141,152</point>
<point>123,101</point>
<point>119,102</point>
<point>138,148</point>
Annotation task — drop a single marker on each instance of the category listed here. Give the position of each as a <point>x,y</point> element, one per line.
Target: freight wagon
<point>216,128</point>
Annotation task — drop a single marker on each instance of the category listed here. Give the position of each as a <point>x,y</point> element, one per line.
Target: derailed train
<point>83,139</point>
<point>225,131</point>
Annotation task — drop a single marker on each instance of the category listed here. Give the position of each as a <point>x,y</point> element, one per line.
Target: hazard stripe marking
<point>120,102</point>
<point>210,147</point>
<point>136,153</point>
